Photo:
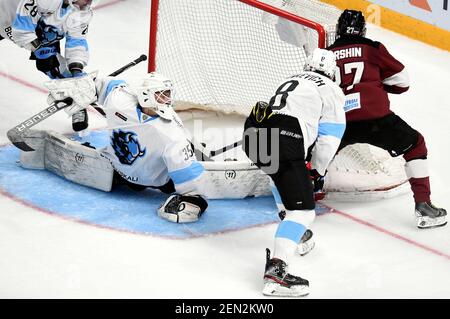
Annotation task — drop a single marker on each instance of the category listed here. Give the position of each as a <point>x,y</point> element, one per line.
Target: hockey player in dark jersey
<point>368,72</point>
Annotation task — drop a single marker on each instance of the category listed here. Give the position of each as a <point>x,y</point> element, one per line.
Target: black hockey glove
<point>47,61</point>
<point>317,181</point>
<point>260,112</point>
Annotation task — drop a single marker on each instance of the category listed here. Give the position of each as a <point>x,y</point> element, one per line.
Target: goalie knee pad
<point>183,209</point>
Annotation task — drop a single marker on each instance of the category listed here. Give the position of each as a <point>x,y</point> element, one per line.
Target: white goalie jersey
<point>147,150</point>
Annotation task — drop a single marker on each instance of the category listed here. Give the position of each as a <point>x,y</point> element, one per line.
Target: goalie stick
<point>15,134</point>
<point>225,149</point>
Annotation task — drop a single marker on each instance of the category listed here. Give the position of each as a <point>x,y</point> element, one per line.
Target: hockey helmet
<point>351,22</point>
<point>322,61</point>
<point>80,4</point>
<point>47,7</point>
<point>156,92</point>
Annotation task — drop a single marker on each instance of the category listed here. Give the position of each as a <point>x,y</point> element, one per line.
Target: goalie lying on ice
<point>149,146</point>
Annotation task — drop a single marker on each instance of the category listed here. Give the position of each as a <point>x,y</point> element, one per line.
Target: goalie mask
<point>156,93</point>
<point>322,61</point>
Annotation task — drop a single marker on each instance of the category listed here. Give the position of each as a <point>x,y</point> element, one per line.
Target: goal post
<point>225,55</point>
<point>254,3</point>
<point>233,52</point>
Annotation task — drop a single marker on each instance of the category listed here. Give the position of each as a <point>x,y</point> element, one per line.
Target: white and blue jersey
<point>147,150</point>
<point>318,104</point>
<point>19,18</point>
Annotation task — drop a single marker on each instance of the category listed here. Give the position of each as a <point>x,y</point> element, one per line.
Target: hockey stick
<point>15,134</point>
<point>142,58</point>
<point>225,149</point>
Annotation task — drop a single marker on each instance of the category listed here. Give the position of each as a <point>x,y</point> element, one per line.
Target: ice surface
<point>363,250</point>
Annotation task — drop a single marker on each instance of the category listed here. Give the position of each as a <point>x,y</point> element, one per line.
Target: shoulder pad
<point>348,40</point>
<point>79,18</point>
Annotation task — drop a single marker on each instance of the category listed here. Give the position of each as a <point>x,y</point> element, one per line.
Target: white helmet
<point>323,61</point>
<point>156,92</point>
<point>48,7</point>
<point>86,4</point>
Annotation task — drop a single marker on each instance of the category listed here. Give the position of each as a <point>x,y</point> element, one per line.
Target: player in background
<point>368,72</point>
<point>149,146</point>
<point>39,26</point>
<point>306,114</point>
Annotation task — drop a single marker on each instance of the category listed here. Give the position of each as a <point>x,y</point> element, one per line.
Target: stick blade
<point>17,139</point>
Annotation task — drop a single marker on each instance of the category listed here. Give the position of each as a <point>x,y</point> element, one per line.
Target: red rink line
<point>100,6</point>
<point>194,235</point>
<point>32,86</point>
<point>79,221</point>
<point>389,233</point>
<point>355,219</point>
<point>23,82</point>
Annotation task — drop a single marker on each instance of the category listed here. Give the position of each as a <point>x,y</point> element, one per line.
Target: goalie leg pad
<point>182,208</point>
<point>36,159</point>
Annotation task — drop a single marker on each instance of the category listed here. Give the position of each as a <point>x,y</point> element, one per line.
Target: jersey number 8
<point>278,101</point>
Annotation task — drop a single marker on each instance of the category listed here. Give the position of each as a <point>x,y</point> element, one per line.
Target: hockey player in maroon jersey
<point>368,72</point>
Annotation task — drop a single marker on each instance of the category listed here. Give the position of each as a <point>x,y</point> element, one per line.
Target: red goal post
<point>255,3</point>
<point>225,55</point>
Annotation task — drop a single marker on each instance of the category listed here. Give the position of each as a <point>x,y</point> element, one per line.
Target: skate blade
<point>427,222</point>
<point>275,289</point>
<point>304,248</point>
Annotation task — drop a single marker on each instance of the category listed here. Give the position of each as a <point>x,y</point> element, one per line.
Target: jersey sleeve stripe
<point>334,129</point>
<point>111,85</point>
<point>400,79</point>
<point>74,42</point>
<point>24,23</point>
<point>187,174</point>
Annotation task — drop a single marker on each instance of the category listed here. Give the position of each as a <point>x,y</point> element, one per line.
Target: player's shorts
<point>390,133</point>
<point>292,177</point>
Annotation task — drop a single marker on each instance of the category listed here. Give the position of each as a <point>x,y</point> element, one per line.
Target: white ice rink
<point>363,250</point>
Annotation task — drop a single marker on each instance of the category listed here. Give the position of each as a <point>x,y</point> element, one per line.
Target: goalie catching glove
<point>81,89</point>
<point>183,208</point>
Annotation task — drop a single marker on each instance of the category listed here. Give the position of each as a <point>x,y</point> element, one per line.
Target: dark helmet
<point>351,22</point>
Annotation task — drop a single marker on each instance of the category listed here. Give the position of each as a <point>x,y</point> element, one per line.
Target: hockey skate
<point>278,282</point>
<point>80,120</point>
<point>306,243</point>
<point>429,216</point>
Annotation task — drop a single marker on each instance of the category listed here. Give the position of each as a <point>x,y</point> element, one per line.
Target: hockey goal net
<point>224,55</point>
